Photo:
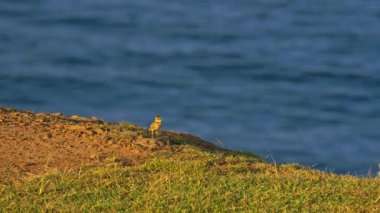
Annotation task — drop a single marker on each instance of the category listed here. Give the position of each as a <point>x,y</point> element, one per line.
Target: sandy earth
<point>33,143</point>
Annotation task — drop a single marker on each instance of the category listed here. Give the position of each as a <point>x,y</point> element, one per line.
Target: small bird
<point>155,125</point>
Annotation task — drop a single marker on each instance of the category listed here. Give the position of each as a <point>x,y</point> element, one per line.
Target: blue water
<point>293,81</point>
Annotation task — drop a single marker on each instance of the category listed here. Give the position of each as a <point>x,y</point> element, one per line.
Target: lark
<point>155,125</point>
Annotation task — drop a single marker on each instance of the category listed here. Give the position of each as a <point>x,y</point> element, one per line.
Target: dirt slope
<point>33,143</point>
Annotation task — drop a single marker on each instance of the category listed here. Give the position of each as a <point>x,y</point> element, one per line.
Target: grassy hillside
<point>177,172</point>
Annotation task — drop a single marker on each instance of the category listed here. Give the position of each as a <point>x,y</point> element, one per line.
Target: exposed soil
<point>33,143</point>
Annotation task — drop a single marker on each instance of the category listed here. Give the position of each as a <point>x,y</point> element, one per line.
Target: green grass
<point>193,180</point>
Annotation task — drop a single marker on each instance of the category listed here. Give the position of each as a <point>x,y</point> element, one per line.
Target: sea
<point>292,81</point>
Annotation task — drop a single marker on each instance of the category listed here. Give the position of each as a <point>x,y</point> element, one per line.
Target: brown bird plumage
<point>155,126</point>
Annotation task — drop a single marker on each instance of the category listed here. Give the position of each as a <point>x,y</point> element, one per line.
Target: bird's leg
<point>151,134</point>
